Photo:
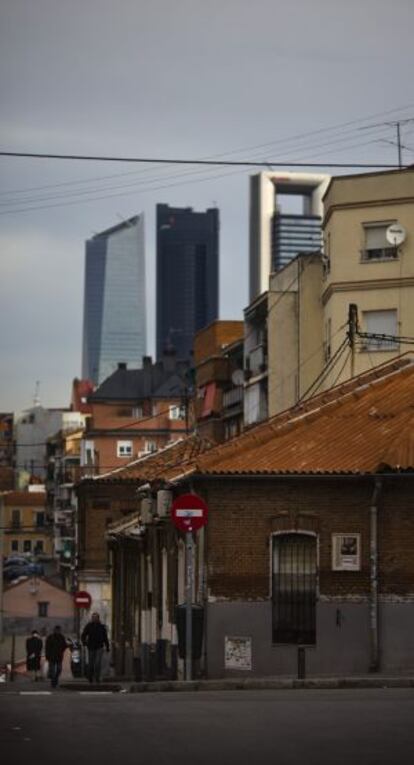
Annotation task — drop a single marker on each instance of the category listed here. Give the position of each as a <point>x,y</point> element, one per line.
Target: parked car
<point>15,567</point>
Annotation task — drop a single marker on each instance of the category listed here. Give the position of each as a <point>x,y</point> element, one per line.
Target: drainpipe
<point>373,608</point>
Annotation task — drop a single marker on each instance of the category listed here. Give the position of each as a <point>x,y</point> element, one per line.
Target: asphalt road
<point>349,727</point>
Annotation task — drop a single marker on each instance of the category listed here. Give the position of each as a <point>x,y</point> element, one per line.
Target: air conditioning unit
<point>146,510</point>
<point>164,500</point>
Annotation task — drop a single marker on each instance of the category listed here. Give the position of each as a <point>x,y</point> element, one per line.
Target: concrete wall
<point>342,639</point>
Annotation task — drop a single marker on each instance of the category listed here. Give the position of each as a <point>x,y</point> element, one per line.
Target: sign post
<point>189,513</point>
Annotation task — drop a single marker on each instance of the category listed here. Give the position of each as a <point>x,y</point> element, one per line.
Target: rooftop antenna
<point>36,397</point>
<point>397,125</point>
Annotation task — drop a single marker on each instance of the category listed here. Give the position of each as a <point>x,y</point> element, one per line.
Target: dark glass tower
<point>187,275</point>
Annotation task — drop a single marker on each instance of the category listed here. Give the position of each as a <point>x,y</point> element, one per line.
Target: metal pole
<point>399,144</point>
<point>188,609</point>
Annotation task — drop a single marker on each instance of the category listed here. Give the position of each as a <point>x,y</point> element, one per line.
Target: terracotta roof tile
<point>175,459</point>
<point>346,430</point>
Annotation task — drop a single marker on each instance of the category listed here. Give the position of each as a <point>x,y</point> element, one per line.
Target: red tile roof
<point>25,498</point>
<point>360,427</point>
<point>175,459</point>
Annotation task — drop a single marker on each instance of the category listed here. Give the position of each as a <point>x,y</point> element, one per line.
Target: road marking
<point>96,693</point>
<point>35,693</point>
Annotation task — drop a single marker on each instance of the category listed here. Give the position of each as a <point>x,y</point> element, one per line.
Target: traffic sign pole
<point>189,610</point>
<point>189,514</point>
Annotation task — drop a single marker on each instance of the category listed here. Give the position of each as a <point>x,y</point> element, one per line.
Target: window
<point>137,412</point>
<point>177,412</point>
<point>294,588</point>
<point>88,453</point>
<point>15,545</point>
<point>150,447</point>
<point>42,609</point>
<point>346,552</point>
<point>376,246</point>
<point>125,411</point>
<point>15,519</point>
<point>124,448</point>
<point>40,520</point>
<point>380,323</point>
<point>27,545</point>
<point>39,546</point>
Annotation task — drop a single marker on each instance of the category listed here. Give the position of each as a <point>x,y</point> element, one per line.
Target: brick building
<point>219,378</point>
<point>135,412</point>
<point>109,498</point>
<point>309,542</point>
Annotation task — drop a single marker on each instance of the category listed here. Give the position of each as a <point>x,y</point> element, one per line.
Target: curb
<point>176,686</point>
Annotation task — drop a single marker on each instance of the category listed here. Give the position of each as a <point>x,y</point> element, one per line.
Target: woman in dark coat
<point>34,647</point>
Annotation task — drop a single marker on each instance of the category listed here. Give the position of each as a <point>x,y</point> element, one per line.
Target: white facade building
<point>276,236</point>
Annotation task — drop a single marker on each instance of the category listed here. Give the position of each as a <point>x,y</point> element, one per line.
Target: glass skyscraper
<point>187,275</point>
<point>114,313</point>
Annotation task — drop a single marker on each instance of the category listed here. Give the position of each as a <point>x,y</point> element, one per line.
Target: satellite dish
<point>395,234</point>
<point>237,377</point>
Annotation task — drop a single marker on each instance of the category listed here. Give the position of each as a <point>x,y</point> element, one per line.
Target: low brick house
<point>37,603</point>
<point>309,542</point>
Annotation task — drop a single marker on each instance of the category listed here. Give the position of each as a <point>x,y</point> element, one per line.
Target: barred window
<point>294,588</point>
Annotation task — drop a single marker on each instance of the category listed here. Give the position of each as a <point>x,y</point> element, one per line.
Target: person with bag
<point>34,647</point>
<point>95,637</point>
<point>55,649</point>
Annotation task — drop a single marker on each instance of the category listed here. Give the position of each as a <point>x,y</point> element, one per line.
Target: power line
<point>204,162</point>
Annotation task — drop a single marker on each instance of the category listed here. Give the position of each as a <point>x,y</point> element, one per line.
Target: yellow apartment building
<point>309,299</point>
<point>25,524</point>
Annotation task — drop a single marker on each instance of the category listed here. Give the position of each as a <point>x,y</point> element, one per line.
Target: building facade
<point>278,230</point>
<point>307,546</point>
<point>299,335</point>
<point>37,604</point>
<point>187,276</point>
<point>136,412</point>
<point>114,313</point>
<point>218,360</point>
<point>33,428</point>
<point>26,525</point>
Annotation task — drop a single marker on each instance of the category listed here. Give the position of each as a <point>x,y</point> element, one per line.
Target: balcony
<point>257,360</point>
<point>232,397</point>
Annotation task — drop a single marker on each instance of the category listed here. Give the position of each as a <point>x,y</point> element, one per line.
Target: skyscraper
<point>276,237</point>
<point>187,275</point>
<point>114,314</point>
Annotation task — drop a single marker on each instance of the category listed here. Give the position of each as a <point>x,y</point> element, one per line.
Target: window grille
<point>294,589</point>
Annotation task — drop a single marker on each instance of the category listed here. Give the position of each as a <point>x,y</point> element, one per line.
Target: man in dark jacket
<point>55,648</point>
<point>95,637</point>
<point>34,646</point>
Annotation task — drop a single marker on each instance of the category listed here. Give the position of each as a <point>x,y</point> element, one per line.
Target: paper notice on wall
<point>238,653</point>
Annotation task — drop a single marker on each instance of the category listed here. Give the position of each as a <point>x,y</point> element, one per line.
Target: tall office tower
<point>277,236</point>
<point>187,275</point>
<point>114,313</point>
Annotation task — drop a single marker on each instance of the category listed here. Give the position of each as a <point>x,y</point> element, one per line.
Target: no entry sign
<point>82,599</point>
<point>189,512</point>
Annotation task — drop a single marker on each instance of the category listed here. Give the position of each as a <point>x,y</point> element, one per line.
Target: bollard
<point>301,663</point>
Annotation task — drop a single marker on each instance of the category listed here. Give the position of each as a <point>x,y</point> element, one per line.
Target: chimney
<point>169,360</point>
<point>146,362</point>
<point>122,365</point>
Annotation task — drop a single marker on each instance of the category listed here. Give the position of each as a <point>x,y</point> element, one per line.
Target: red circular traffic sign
<point>82,599</point>
<point>189,512</point>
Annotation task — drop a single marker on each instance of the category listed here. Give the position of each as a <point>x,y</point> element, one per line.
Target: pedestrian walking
<point>55,648</point>
<point>95,637</point>
<point>34,647</point>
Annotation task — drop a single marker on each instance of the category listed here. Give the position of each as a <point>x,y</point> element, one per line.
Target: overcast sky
<point>169,78</point>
